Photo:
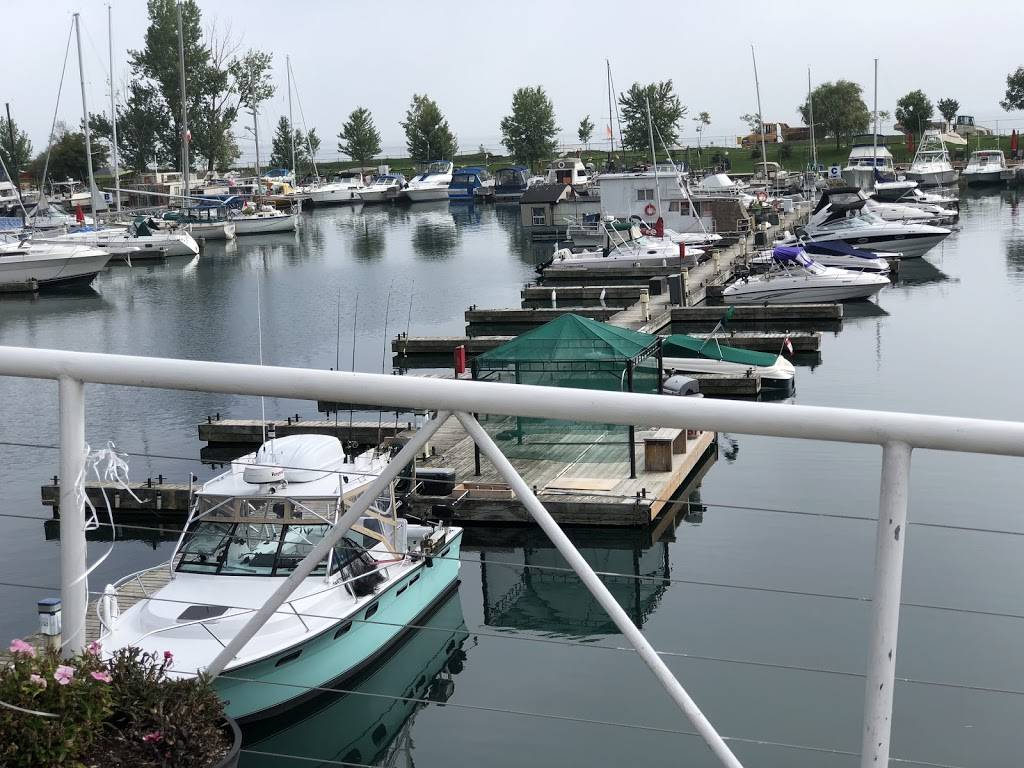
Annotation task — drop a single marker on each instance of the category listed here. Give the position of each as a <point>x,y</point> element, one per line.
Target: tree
<point>585,131</point>
<point>312,148</point>
<point>140,126</point>
<point>913,111</point>
<point>427,134</point>
<point>839,109</point>
<point>211,126</point>
<point>1014,100</point>
<point>753,122</point>
<point>281,149</point>
<point>666,112</point>
<point>703,120</point>
<point>16,156</point>
<point>67,157</point>
<point>948,109</point>
<point>529,132</point>
<point>158,63</point>
<point>359,137</point>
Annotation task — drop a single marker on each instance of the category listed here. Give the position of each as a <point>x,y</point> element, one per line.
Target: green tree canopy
<point>18,154</point>
<point>948,109</point>
<point>211,125</point>
<point>359,137</point>
<point>585,130</point>
<point>913,111</point>
<point>529,132</point>
<point>281,147</point>
<point>753,122</point>
<point>427,134</point>
<point>67,157</point>
<point>839,110</point>
<point>312,146</point>
<point>666,113</point>
<point>1014,99</point>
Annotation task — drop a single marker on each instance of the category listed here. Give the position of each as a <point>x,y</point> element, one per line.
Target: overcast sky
<point>470,57</point>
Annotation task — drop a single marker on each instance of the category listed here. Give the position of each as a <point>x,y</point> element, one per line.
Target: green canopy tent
<point>570,351</point>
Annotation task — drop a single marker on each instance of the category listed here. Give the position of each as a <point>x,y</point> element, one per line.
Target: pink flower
<point>153,737</point>
<point>20,646</point>
<point>94,648</point>
<point>64,674</point>
<point>37,680</point>
<point>103,677</point>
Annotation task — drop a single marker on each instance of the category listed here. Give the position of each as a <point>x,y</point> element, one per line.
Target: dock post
<point>597,588</point>
<point>73,587</point>
<point>885,604</point>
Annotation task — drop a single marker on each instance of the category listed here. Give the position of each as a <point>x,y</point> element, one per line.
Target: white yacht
<point>432,184</point>
<point>943,206</point>
<point>9,202</point>
<point>138,241</point>
<point>795,278</point>
<point>931,166</point>
<point>569,170</point>
<point>249,529</point>
<point>383,187</point>
<point>623,248</point>
<point>262,219</point>
<point>342,188</point>
<point>840,215</point>
<point>50,264</point>
<point>868,163</point>
<point>985,166</point>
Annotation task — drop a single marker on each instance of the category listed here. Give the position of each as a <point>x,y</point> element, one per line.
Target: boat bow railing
<point>898,434</point>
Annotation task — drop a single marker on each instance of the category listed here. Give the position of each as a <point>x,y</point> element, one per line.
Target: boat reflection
<point>371,722</point>
<point>918,272</point>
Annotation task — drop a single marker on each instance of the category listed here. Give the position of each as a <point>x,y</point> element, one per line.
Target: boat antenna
<point>291,132</point>
<point>611,130</point>
<point>383,360</point>
<point>760,117</point>
<point>94,195</point>
<point>874,138</point>
<point>113,109</point>
<point>654,157</point>
<point>259,343</point>
<point>337,355</point>
<point>355,319</point>
<point>302,117</point>
<point>810,109</point>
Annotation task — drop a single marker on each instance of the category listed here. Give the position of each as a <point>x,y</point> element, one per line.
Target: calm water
<point>938,342</point>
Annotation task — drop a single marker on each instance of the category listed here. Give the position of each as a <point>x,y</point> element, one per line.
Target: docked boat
<point>931,166</point>
<point>985,166</point>
<point>52,216</point>
<point>382,188</point>
<point>510,183</point>
<point>137,241</point>
<point>775,179</point>
<point>832,254</point>
<point>867,164</point>
<point>688,354</point>
<point>341,188</point>
<point>262,220</point>
<point>248,530</point>
<point>795,278</point>
<point>569,170</point>
<point>905,213</point>
<point>624,246</point>
<point>840,215</point>
<point>9,201</point>
<point>206,222</point>
<point>50,264</point>
<point>432,184</point>
<point>469,184</point>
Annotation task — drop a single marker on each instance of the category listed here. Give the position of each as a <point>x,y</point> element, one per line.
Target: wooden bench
<point>660,446</point>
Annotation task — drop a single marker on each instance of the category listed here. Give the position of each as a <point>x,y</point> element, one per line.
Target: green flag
<point>728,314</point>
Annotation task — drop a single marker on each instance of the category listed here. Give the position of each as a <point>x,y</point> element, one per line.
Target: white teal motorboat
<point>248,530</point>
<point>688,354</point>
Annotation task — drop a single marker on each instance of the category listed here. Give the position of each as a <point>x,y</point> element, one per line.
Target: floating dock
<point>251,431</point>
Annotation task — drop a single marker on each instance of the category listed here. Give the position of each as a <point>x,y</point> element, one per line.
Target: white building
<point>650,195</point>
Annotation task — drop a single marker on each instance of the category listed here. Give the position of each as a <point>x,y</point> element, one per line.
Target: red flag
<point>1013,141</point>
<point>910,142</point>
<point>788,346</point>
<point>79,214</point>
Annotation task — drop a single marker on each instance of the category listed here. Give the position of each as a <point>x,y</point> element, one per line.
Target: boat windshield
<point>258,549</point>
<point>464,179</point>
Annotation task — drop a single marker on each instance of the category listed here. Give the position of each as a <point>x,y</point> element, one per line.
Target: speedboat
<point>248,530</point>
<point>383,187</point>
<point>688,354</point>
<point>868,163</point>
<point>931,166</point>
<point>432,184</point>
<point>906,213</point>
<point>623,248</point>
<point>690,239</point>
<point>941,205</point>
<point>795,278</point>
<point>840,215</point>
<point>834,254</point>
<point>50,264</point>
<point>138,241</point>
<point>342,188</point>
<point>469,184</point>
<point>985,166</point>
<point>510,183</point>
<point>261,220</point>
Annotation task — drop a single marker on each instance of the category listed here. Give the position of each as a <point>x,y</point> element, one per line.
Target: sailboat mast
<point>611,129</point>
<point>810,107</point>
<point>874,151</point>
<point>85,115</point>
<point>256,138</point>
<point>185,170</point>
<point>113,110</point>
<point>654,157</point>
<point>760,116</point>
<point>291,124</point>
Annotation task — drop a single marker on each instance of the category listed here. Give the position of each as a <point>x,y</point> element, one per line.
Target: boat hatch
<point>201,612</point>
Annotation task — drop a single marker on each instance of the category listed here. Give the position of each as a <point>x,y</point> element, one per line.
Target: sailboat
<point>247,531</point>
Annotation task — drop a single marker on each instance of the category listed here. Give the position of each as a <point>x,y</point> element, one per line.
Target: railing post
<point>600,592</point>
<point>885,605</point>
<point>74,593</point>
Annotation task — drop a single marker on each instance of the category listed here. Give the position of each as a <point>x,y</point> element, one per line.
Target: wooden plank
<point>533,316</point>
<point>251,431</point>
<point>759,313</point>
<point>581,484</point>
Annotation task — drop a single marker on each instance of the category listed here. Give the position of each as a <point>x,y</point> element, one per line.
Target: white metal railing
<point>897,434</point>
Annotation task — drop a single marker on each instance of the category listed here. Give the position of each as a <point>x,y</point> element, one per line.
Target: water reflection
<point>918,272</point>
<point>466,214</point>
<point>370,722</point>
<point>435,235</point>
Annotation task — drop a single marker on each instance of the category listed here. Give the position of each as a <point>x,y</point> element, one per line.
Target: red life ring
<point>649,209</point>
<point>762,196</point>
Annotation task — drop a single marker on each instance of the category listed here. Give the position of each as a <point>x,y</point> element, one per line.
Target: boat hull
<point>333,196</point>
<point>982,178</point>
<point>377,195</point>
<point>425,194</point>
<point>325,660</point>
<point>254,225</point>
<point>777,376</point>
<point>802,291</point>
<point>53,271</point>
<point>912,246</point>
<point>943,178</point>
<point>211,231</point>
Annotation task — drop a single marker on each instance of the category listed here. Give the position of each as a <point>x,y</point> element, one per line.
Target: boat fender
<point>429,561</point>
<point>561,164</point>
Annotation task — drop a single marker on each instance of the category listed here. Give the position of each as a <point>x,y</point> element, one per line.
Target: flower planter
<point>231,729</point>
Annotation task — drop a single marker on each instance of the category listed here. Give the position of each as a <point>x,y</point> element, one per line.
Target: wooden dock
<point>250,431</point>
<point>153,496</point>
<point>580,484</point>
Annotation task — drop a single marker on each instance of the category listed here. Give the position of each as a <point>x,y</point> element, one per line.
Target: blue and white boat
<point>471,183</point>
<point>249,528</point>
<point>510,183</point>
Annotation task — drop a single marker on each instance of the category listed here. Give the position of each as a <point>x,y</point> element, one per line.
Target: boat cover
<point>837,248</point>
<point>681,345</point>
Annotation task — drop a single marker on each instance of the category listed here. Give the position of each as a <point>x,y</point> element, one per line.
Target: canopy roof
<point>570,338</point>
<point>681,345</point>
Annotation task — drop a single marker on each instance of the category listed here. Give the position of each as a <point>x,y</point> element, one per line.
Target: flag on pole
<point>608,131</point>
<point>79,214</point>
<point>788,346</point>
<point>729,312</point>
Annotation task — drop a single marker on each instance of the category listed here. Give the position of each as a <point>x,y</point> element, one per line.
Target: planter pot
<point>231,729</point>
